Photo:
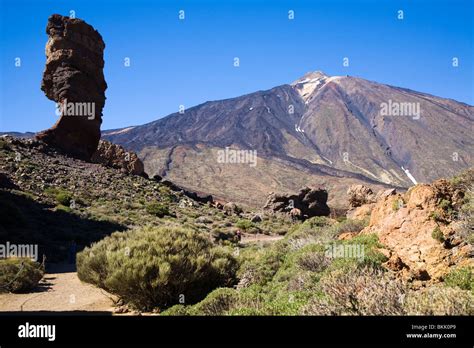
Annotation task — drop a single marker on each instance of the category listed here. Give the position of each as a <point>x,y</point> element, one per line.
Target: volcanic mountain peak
<point>312,82</point>
<point>326,130</point>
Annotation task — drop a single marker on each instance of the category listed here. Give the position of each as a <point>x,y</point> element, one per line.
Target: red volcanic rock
<point>117,157</point>
<point>74,79</point>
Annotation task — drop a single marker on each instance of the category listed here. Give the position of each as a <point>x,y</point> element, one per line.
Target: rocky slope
<point>50,199</point>
<point>425,231</point>
<point>320,130</point>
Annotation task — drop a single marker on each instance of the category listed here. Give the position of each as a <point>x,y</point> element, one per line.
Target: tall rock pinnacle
<point>74,79</point>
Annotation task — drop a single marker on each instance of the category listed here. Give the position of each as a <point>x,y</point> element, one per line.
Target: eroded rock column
<point>74,79</point>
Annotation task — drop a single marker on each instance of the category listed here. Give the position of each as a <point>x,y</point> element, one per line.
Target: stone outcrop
<point>116,156</point>
<point>362,200</point>
<point>199,197</point>
<point>74,79</point>
<point>359,195</point>
<point>230,208</point>
<point>310,201</point>
<point>419,230</point>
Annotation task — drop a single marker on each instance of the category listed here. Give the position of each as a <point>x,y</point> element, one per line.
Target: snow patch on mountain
<point>311,83</point>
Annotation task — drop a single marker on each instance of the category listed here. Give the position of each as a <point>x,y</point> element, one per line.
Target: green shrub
<point>371,245</point>
<point>313,261</point>
<point>464,180</point>
<point>157,267</point>
<point>63,208</point>
<point>349,225</point>
<point>218,302</point>
<point>261,268</point>
<point>437,234</point>
<point>245,224</point>
<point>19,274</point>
<point>63,198</point>
<point>177,310</point>
<point>445,205</point>
<point>248,226</point>
<point>157,209</point>
<point>246,311</point>
<point>436,216</point>
<point>460,277</point>
<point>222,235</point>
<point>318,221</point>
<point>397,204</point>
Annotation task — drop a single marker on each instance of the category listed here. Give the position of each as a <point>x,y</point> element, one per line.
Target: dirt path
<point>59,290</point>
<point>256,238</point>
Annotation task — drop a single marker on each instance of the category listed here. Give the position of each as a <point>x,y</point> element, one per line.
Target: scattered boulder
<point>217,205</point>
<point>203,220</point>
<point>201,198</point>
<point>116,156</point>
<point>74,79</point>
<point>362,200</point>
<point>157,178</point>
<point>385,193</point>
<point>256,218</point>
<point>171,185</point>
<point>295,214</point>
<point>360,195</point>
<point>310,201</point>
<point>230,208</point>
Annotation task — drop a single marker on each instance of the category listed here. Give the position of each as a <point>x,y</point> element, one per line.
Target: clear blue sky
<point>188,62</point>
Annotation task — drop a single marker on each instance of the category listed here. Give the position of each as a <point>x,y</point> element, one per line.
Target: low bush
<point>19,274</point>
<point>397,204</point>
<point>461,277</point>
<point>63,198</point>
<point>223,235</point>
<point>177,310</point>
<point>157,209</point>
<point>438,300</point>
<point>436,216</point>
<point>349,225</point>
<point>63,208</point>
<point>261,268</point>
<point>358,291</point>
<point>313,262</point>
<point>157,267</point>
<point>437,234</point>
<point>317,221</point>
<point>60,195</point>
<point>218,302</point>
<point>244,224</point>
<point>370,242</point>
